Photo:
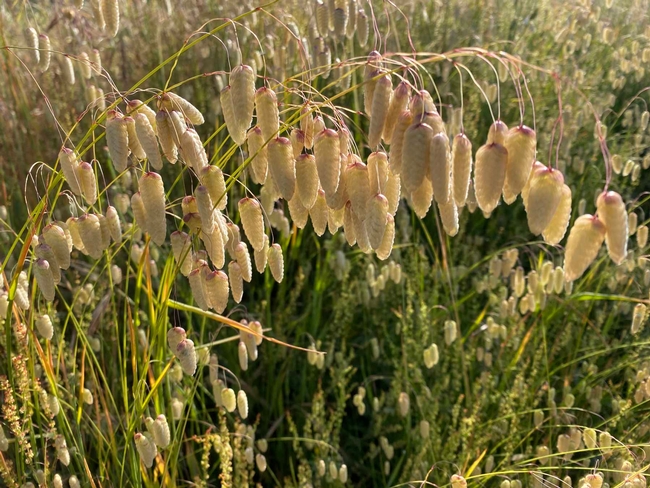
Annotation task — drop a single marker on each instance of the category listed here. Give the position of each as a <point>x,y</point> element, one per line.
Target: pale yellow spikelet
<point>197,287</point>
<point>214,242</point>
<point>489,175</point>
<point>250,212</point>
<point>585,239</point>
<point>189,205</point>
<point>398,104</point>
<point>234,236</point>
<point>449,216</point>
<point>307,125</point>
<point>160,432</point>
<point>73,228</point>
<point>282,166</point>
<point>31,40</point>
<point>132,139</point>
<point>96,61</point>
<point>358,186</point>
<point>186,354</point>
<point>421,103</point>
<point>440,167</point>
<point>205,207</point>
<point>212,178</point>
<point>171,101</point>
<point>642,236</point>
<point>68,70</point>
<point>307,182</point>
<point>144,443</point>
<point>236,281</point>
<point>299,214</point>
<point>182,251</point>
<point>174,337</point>
<point>386,247</point>
<point>537,166</point>
<point>261,256</point>
<point>165,131</point>
<point>377,172</point>
<point>393,192</point>
<point>229,400</point>
<point>242,85</point>
<point>114,225</point>
<point>543,198</point>
<point>361,233</point>
<point>335,220</point>
<point>371,73</point>
<point>461,168</point>
<point>86,178</point>
<point>327,155</point>
<point>268,116</point>
<point>111,16</point>
<point>55,237</point>
<point>415,155</point>
<point>497,133</point>
<point>421,199</point>
<point>340,197</point>
<point>135,107</point>
<point>319,213</point>
<point>45,49</point>
<point>152,192</point>
<point>380,104</point>
<point>243,258</point>
<point>362,27</point>
<point>297,142</point>
<point>276,262</point>
<point>351,26</point>
<point>344,140</point>
<point>43,251</point>
<point>242,404</point>
<point>612,213</point>
<point>218,290</point>
<point>117,139</point>
<point>69,164</point>
<point>44,326</point>
<point>322,19</point>
<point>395,157</point>
<point>556,228</point>
<point>105,231</point>
<point>376,219</point>
<point>147,138</point>
<point>84,66</point>
<point>521,144</point>
<point>193,151</point>
<point>237,133</point>
<point>259,154</point>
<point>348,225</point>
<point>90,234</point>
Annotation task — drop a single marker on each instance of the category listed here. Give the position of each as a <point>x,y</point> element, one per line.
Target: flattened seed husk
<point>147,137</point>
<point>449,216</point>
<point>556,228</point>
<point>395,156</point>
<point>242,85</point>
<point>117,139</point>
<point>440,167</point>
<point>358,187</point>
<point>521,143</point>
<point>261,256</point>
<point>319,214</point>
<point>386,247</point>
<point>259,154</point>
<point>327,155</point>
<point>489,175</point>
<point>398,104</point>
<point>585,239</point>
<point>282,166</point>
<point>252,220</point>
<point>612,213</point>
<point>213,179</point>
<point>152,192</point>
<point>543,198</point>
<point>461,157</point>
<point>69,163</point>
<point>307,181</point>
<point>171,101</point>
<point>55,237</point>
<point>166,137</point>
<point>268,116</point>
<point>377,172</point>
<point>380,103</point>
<point>420,200</point>
<point>236,281</point>
<point>415,156</point>
<point>376,219</point>
<point>276,262</point>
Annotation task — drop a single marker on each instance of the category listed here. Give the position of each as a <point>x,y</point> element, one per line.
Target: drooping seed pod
<point>386,247</point>
<point>521,144</point>
<point>68,70</point>
<point>403,404</point>
<point>171,101</point>
<point>242,354</point>
<point>55,237</point>
<point>497,133</point>
<point>543,198</point>
<point>298,213</point>
<point>152,192</point>
<point>348,225</point>
<point>307,125</point>
<point>135,107</point>
<point>87,183</point>
<point>262,255</point>
<point>96,62</point>
<point>44,326</point>
<point>268,116</point>
<point>212,178</point>
<point>234,237</point>
<point>237,132</point>
<point>340,197</point>
<point>90,233</point>
<point>229,399</point>
<point>398,104</point>
<point>431,356</point>
<point>174,337</point>
<point>139,211</point>
<point>585,239</point>
<point>31,41</point>
<point>404,121</point>
<point>612,213</point>
<point>218,290</point>
<point>244,260</point>
<point>193,151</point>
<point>393,192</point>
<point>259,154</point>
<point>489,175</point>
<point>362,27</point>
<point>242,85</point>
<point>421,104</point>
<point>376,219</point>
<point>166,136</point>
<point>383,91</point>
<point>297,142</point>
<point>160,432</point>
<point>461,167</point>
<point>146,447</point>
<point>420,199</point>
<point>556,228</point>
<point>215,245</point>
<point>307,181</point>
<point>147,138</point>
<point>44,278</point>
<point>327,157</point>
<point>358,188</point>
<point>440,167</point>
<point>415,156</point>
<point>377,172</point>
<point>642,236</point>
<point>361,233</point>
<point>45,50</point>
<point>206,209</point>
<point>319,214</point>
<point>182,250</point>
<point>186,354</point>
<point>43,251</point>
<point>73,228</point>
<point>236,281</point>
<point>69,164</point>
<point>111,15</point>
<point>117,139</point>
<point>84,66</point>
<point>242,404</point>
<point>276,262</point>
<point>282,166</point>
<point>449,216</point>
<point>132,139</point>
<point>62,452</point>
<point>252,220</point>
<point>113,224</point>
